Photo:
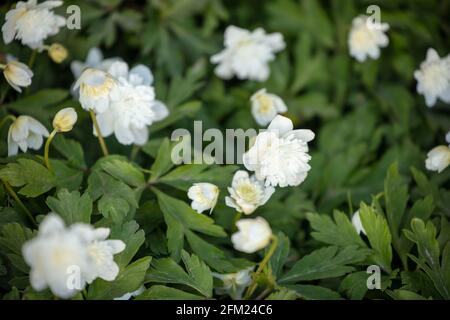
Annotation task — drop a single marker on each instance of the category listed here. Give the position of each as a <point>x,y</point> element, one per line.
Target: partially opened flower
<point>433,78</point>
<point>247,193</point>
<point>204,196</point>
<point>133,105</point>
<point>279,156</point>
<point>356,221</point>
<point>266,106</point>
<point>252,235</point>
<point>234,284</point>
<point>17,74</point>
<point>25,132</point>
<point>65,119</point>
<point>95,86</point>
<point>247,54</point>
<point>438,158</point>
<point>32,23</point>
<point>366,38</point>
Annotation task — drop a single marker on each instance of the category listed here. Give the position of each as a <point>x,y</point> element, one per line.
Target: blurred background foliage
<point>366,115</point>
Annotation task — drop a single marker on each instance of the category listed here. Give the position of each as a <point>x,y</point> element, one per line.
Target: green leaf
<point>128,280</point>
<point>180,218</point>
<point>184,176</point>
<point>215,257</point>
<point>124,171</point>
<point>198,275</point>
<point>377,231</point>
<point>424,236</point>
<point>129,233</point>
<point>12,238</point>
<point>310,292</point>
<point>355,285</point>
<point>396,195</point>
<point>283,293</point>
<point>159,292</point>
<point>117,198</point>
<point>71,150</point>
<point>163,161</point>
<point>329,262</point>
<point>71,206</point>
<point>280,255</point>
<point>34,178</point>
<point>339,232</point>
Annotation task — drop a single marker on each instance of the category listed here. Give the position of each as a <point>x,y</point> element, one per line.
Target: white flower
<point>94,60</point>
<point>438,158</point>
<point>65,259</point>
<point>52,255</point>
<point>433,78</point>
<point>265,106</point>
<point>17,74</point>
<point>25,132</point>
<point>32,23</point>
<point>366,38</point>
<point>65,119</point>
<point>129,295</point>
<point>204,196</point>
<point>247,54</point>
<point>253,235</point>
<point>247,193</point>
<point>356,221</point>
<point>234,284</point>
<point>95,87</point>
<point>101,256</point>
<point>447,137</point>
<point>133,106</point>
<point>279,155</point>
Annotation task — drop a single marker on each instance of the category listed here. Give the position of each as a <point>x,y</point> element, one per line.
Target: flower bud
<point>57,52</point>
<point>65,119</point>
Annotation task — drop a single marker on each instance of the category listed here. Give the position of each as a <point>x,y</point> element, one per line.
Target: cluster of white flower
<point>122,99</point>
<point>65,259</point>
<point>31,23</point>
<point>247,54</point>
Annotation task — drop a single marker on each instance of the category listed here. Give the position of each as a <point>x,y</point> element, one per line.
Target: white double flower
<point>64,258</point>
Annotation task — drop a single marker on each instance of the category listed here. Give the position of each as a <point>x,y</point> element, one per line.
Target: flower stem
<point>236,219</point>
<point>46,149</point>
<point>32,59</point>
<point>19,202</point>
<point>134,152</point>
<point>6,118</point>
<point>261,266</point>
<point>99,134</point>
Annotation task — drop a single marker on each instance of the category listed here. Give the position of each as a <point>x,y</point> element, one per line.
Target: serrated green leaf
<point>71,206</point>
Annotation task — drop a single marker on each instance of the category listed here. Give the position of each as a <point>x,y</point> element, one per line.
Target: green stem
<point>261,266</point>
<point>134,152</point>
<point>236,219</point>
<point>32,59</point>
<point>99,134</point>
<point>47,148</point>
<point>19,202</point>
<point>8,117</point>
